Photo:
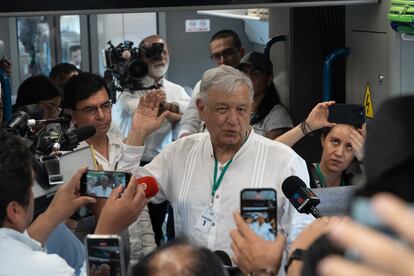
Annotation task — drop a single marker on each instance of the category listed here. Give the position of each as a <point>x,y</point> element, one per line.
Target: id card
<point>206,219</point>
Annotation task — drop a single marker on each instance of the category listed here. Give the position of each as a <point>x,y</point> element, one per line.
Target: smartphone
<point>351,114</point>
<point>105,255</point>
<point>101,183</point>
<point>258,209</point>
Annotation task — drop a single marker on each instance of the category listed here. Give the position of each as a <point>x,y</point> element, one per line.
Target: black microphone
<point>72,138</point>
<point>301,197</point>
<point>224,257</point>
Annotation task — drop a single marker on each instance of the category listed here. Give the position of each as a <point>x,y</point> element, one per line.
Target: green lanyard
<point>218,181</point>
<point>322,178</point>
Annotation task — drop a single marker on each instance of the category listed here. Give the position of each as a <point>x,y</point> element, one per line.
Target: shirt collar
<point>21,237</point>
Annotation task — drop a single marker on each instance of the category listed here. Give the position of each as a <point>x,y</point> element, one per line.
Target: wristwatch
<point>297,254</point>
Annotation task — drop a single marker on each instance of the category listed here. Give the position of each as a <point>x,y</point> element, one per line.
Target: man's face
<point>87,113</point>
<point>157,68</point>
<point>337,152</point>
<point>222,51</point>
<point>227,116</point>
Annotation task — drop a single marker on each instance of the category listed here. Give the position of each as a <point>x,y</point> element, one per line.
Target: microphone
<point>72,138</point>
<point>224,257</point>
<point>33,122</point>
<point>150,185</point>
<point>301,197</point>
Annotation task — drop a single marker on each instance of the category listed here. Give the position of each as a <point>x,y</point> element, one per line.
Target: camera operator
<point>21,241</point>
<point>174,97</point>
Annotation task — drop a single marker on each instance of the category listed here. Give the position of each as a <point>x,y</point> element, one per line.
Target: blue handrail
<point>7,97</point>
<point>327,70</point>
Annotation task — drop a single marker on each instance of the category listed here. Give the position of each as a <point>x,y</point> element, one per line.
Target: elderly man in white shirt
<point>202,175</point>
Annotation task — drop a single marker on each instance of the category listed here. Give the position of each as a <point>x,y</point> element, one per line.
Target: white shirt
<point>264,230</point>
<point>100,192</point>
<point>123,157</point>
<point>185,171</point>
<point>190,122</point>
<point>127,104</point>
<point>278,117</point>
<point>22,255</point>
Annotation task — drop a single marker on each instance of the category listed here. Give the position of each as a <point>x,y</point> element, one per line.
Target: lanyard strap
<point>322,178</point>
<point>218,181</point>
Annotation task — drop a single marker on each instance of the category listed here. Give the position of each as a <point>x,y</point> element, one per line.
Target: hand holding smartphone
<point>258,209</point>
<point>101,183</point>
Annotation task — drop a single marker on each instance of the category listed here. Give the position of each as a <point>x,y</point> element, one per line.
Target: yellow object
<point>369,109</point>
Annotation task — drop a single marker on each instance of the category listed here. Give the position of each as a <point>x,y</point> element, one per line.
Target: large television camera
<point>45,138</point>
<point>126,69</point>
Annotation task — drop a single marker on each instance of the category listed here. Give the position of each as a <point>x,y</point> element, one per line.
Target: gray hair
<point>224,78</point>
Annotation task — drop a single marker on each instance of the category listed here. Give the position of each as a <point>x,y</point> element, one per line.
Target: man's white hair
<point>225,79</point>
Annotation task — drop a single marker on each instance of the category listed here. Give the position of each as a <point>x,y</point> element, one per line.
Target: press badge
<point>207,218</point>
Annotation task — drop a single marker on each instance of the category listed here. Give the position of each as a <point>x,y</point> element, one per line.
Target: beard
<point>157,71</point>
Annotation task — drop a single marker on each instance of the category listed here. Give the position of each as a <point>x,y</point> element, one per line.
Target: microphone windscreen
<point>291,185</point>
<point>83,133</point>
<point>224,257</point>
<point>150,185</point>
<point>35,111</point>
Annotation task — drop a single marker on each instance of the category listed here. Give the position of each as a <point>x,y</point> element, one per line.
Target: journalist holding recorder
<point>21,240</point>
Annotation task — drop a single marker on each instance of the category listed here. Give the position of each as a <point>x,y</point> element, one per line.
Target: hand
<point>380,254</point>
<point>358,141</point>
<point>145,119</point>
<point>174,117</point>
<point>251,252</point>
<point>67,199</point>
<point>313,231</point>
<point>121,209</point>
<point>318,117</point>
<point>161,94</point>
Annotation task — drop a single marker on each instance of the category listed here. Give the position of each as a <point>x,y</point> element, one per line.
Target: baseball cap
<point>257,61</point>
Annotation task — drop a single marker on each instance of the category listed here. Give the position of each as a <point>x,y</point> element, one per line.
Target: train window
<point>70,39</point>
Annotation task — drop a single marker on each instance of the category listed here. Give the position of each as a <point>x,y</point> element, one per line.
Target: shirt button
<point>213,224</point>
<point>217,196</point>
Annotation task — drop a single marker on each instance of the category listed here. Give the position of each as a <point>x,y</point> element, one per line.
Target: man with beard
<point>174,99</point>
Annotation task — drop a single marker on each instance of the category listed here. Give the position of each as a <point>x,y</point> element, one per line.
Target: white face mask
<point>158,71</point>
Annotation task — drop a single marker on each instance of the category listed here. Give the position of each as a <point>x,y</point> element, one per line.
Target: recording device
<point>105,255</point>
<point>125,68</point>
<point>301,197</point>
<point>258,209</point>
<point>18,123</point>
<point>101,183</point>
<point>45,142</point>
<point>351,114</point>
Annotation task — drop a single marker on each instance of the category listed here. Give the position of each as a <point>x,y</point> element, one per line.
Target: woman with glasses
<point>39,90</point>
<point>269,117</point>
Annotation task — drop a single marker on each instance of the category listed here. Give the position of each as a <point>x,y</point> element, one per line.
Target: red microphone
<point>150,185</point>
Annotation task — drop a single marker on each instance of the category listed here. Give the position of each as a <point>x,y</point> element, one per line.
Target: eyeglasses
<point>226,54</point>
<point>92,110</point>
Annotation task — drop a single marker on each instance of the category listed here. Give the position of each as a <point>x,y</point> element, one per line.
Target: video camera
<point>44,145</point>
<point>126,70</point>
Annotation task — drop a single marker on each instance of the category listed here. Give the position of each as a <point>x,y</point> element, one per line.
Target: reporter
<point>341,144</point>
<point>380,254</point>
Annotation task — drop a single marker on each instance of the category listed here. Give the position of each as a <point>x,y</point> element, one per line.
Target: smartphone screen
<point>101,183</point>
<point>258,209</point>
<point>351,114</point>
<point>105,255</point>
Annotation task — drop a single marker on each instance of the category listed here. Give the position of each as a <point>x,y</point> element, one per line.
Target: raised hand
<point>318,117</point>
<point>146,119</point>
<point>358,141</point>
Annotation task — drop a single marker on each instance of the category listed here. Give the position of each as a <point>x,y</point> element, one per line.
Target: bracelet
<point>297,254</point>
<point>304,126</point>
